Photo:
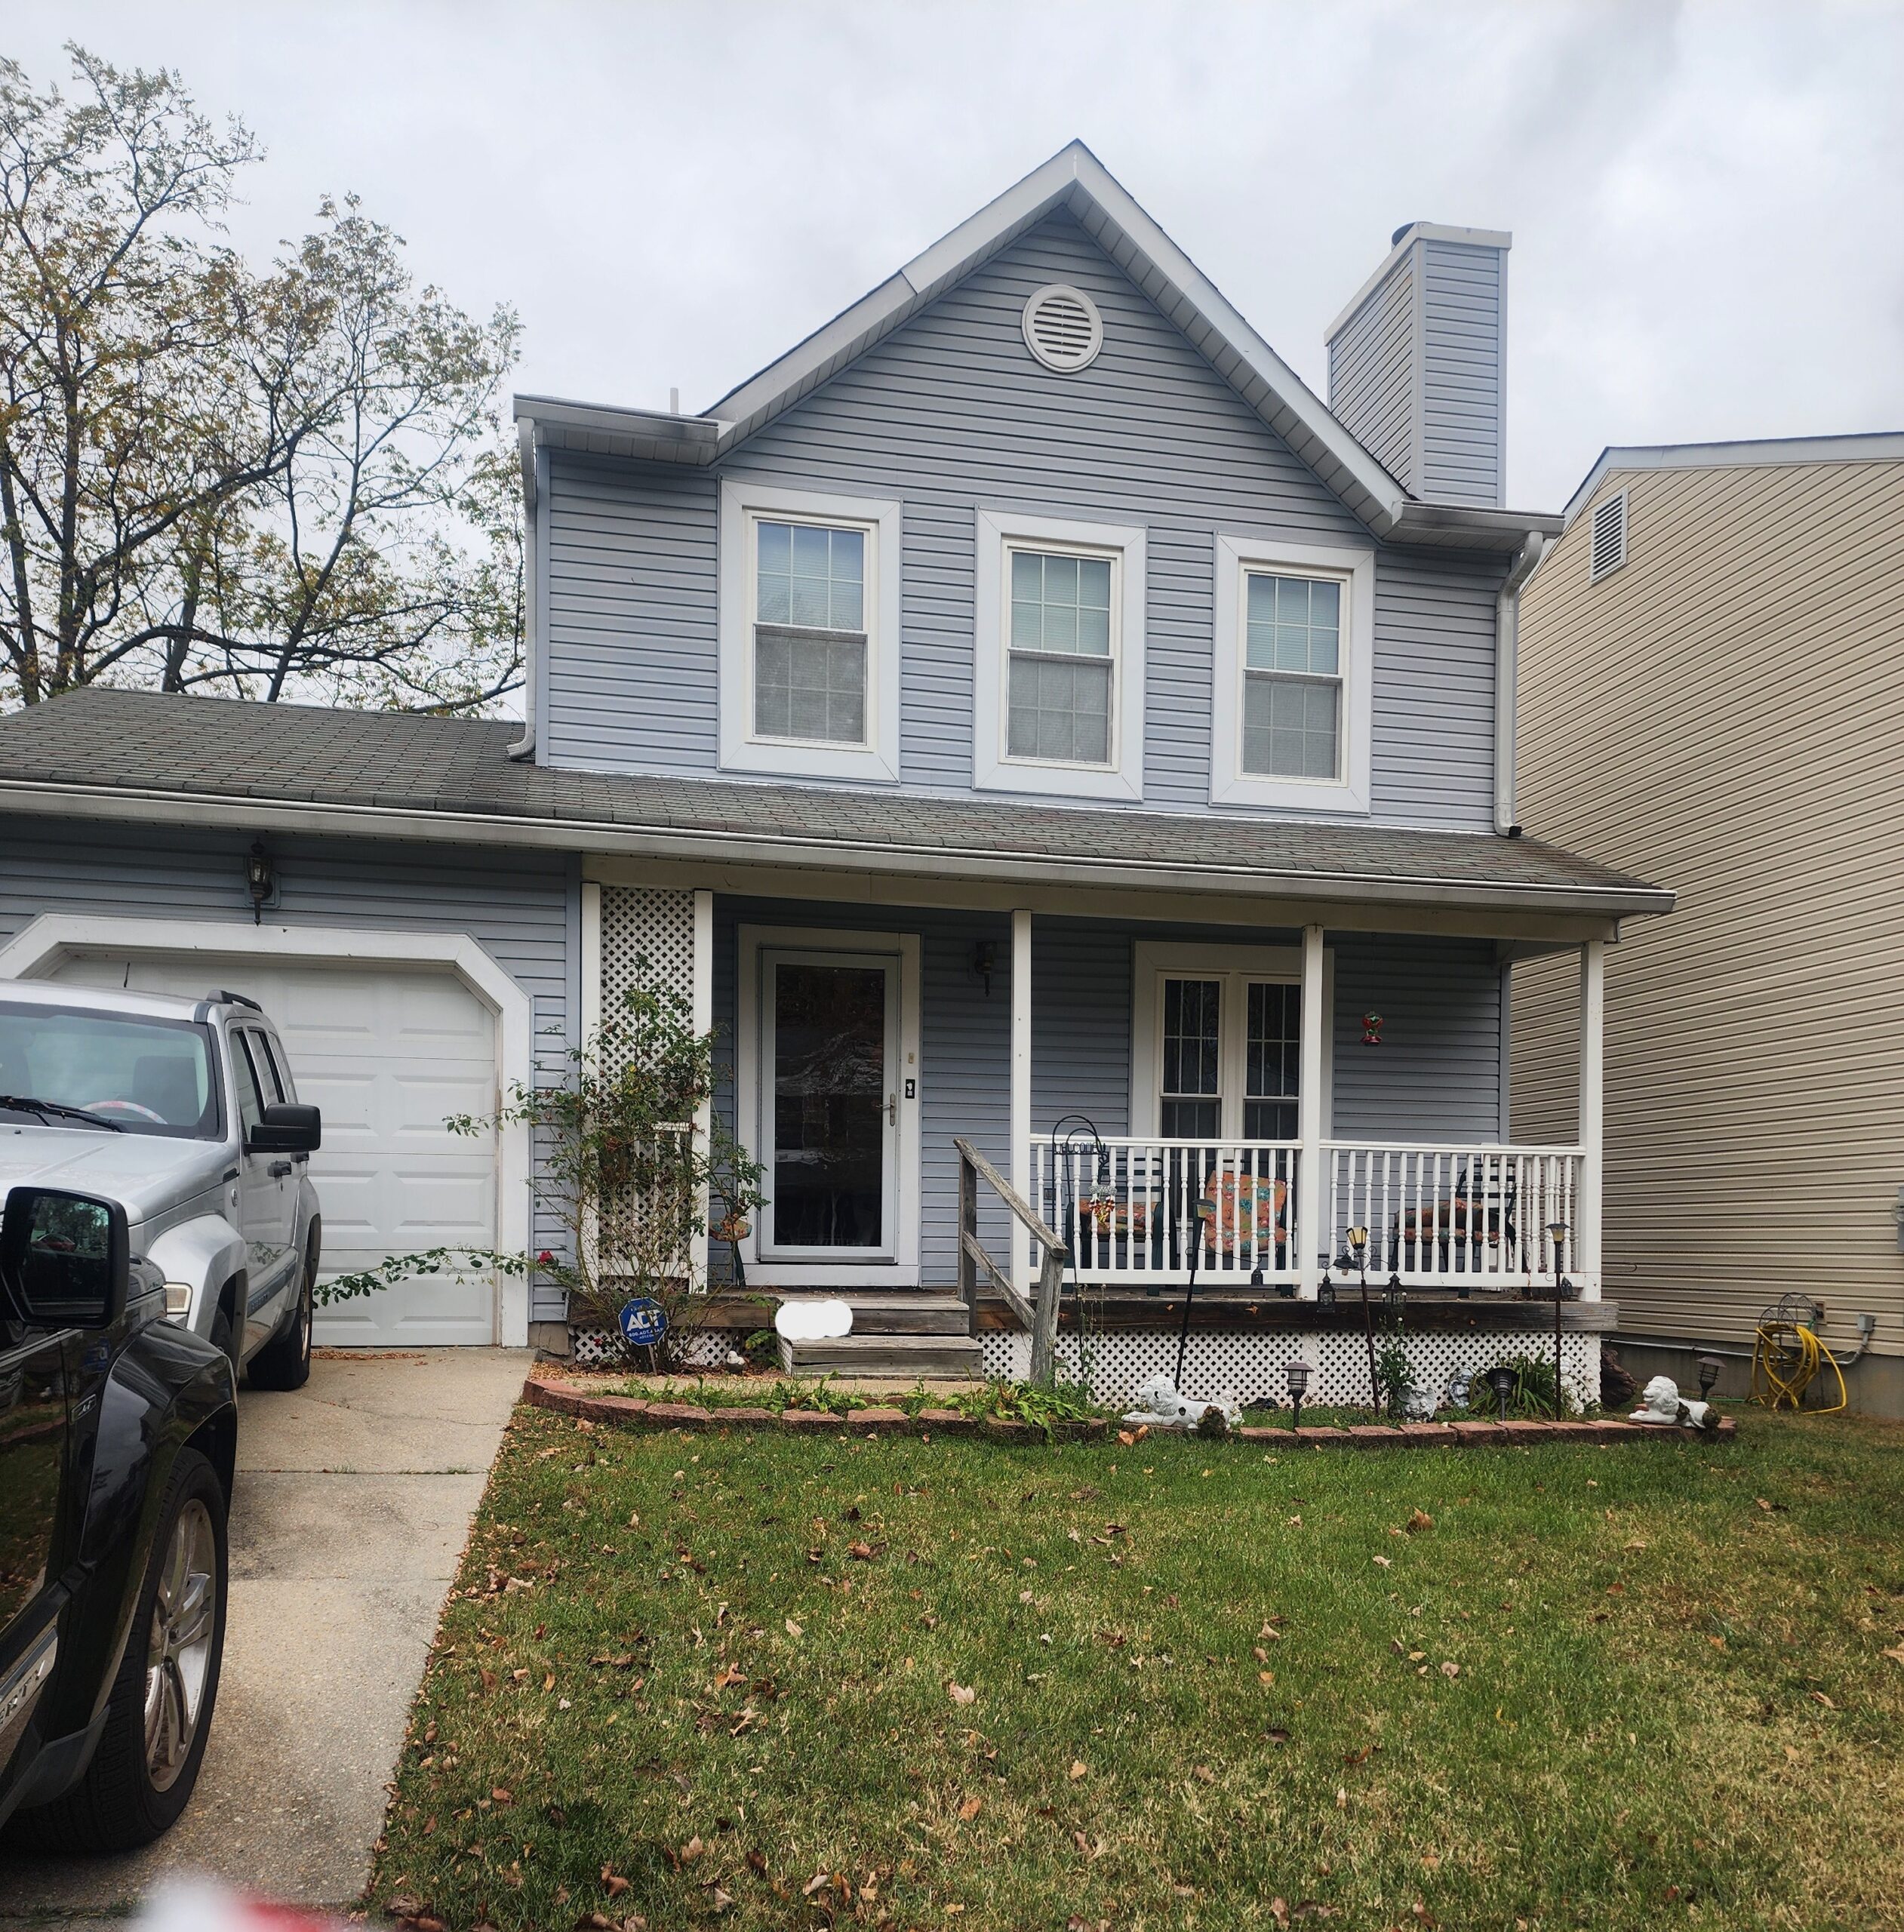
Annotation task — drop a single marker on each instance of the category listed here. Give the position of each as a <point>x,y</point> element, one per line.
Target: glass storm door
<point>829,1039</point>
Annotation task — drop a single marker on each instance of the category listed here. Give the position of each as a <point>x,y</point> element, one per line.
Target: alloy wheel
<point>178,1654</point>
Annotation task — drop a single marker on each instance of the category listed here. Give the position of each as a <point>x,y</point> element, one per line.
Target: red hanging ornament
<point>1371,1029</point>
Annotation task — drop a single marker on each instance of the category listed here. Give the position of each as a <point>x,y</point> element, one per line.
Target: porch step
<point>904,1312</point>
<point>930,1357</point>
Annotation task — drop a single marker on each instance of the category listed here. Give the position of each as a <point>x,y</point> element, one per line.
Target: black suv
<point>118,1430</point>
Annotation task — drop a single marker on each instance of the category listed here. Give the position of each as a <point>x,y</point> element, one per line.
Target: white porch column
<point>1584,1257</point>
<point>1020,1168</point>
<point>1309,1123</point>
<point>702,1014</point>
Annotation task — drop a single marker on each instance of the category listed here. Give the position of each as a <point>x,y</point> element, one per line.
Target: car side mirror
<point>287,1127</point>
<point>65,1257</point>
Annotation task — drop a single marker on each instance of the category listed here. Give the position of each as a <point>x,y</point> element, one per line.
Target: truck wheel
<point>285,1362</point>
<point>158,1715</point>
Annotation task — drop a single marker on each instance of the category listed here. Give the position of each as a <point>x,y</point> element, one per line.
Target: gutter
<point>1507,659</point>
<point>1359,889</point>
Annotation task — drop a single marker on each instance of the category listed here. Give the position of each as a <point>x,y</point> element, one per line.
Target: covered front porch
<point>1163,1092</point>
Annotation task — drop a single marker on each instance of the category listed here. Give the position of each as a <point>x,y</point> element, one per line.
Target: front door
<point>829,1090</point>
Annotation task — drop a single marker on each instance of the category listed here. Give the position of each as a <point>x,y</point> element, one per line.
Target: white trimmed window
<point>1294,648</point>
<point>809,627</point>
<point>1060,682</point>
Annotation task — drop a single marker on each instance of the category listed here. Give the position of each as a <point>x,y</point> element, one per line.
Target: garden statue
<point>1661,1403</point>
<point>1419,1404</point>
<point>1159,1406</point>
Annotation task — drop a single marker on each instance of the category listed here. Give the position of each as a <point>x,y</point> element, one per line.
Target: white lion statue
<point>1159,1406</point>
<point>1660,1402</point>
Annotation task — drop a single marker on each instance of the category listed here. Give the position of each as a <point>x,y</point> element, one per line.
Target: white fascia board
<point>1758,453</point>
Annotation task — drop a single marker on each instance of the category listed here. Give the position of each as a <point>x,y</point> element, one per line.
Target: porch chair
<point>1478,1210</point>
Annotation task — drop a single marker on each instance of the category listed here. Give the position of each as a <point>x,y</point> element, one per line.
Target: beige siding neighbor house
<point>1710,692</point>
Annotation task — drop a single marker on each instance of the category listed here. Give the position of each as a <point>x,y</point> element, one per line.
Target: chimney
<point>1418,361</point>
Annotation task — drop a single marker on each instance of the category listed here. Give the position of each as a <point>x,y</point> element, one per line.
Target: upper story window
<point>1059,669</point>
<point>1293,656</point>
<point>809,628</point>
<point>1291,676</point>
<point>809,637</point>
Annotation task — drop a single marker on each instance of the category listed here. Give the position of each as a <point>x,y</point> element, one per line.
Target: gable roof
<point>1074,179</point>
<point>141,757</point>
<point>1759,453</point>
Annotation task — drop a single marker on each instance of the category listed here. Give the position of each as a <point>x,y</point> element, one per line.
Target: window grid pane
<point>1060,604</point>
<point>810,685</point>
<point>1291,726</point>
<point>1059,711</point>
<point>810,577</point>
<point>1193,1021</point>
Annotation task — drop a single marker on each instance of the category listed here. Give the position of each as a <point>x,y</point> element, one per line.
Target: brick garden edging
<point>635,1412</point>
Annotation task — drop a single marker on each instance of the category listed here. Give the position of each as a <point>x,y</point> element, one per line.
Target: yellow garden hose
<point>1786,1358</point>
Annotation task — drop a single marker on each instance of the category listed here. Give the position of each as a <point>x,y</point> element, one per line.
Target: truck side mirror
<point>65,1257</point>
<point>286,1127</point>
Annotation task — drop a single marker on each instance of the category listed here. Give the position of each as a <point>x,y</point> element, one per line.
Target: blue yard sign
<point>643,1322</point>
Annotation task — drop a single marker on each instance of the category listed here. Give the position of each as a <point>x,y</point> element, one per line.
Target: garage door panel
<point>388,1055</point>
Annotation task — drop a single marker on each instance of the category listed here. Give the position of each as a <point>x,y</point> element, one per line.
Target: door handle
<point>892,1110</point>
<point>280,1170</point>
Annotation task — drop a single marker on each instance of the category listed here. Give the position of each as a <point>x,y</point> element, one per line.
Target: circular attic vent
<point>1062,327</point>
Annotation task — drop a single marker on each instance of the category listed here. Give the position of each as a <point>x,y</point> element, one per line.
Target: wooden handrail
<point>1040,1314</point>
<point>1011,1197</point>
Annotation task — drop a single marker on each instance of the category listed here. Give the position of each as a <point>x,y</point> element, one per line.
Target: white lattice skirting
<point>1253,1367</point>
<point>595,1348</point>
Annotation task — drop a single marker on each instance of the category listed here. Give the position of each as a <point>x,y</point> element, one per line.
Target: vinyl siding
<point>1436,1076</point>
<point>1726,714</point>
<point>950,413</point>
<point>1372,373</point>
<point>523,911</point>
<point>1464,329</point>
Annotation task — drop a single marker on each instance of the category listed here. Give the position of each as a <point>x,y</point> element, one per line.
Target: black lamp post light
<point>1298,1373</point>
<point>1325,1293</point>
<point>1709,1367</point>
<point>1501,1379</point>
<point>1358,1254</point>
<point>1557,1233</point>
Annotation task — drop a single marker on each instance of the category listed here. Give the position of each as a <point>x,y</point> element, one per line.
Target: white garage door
<point>388,1053</point>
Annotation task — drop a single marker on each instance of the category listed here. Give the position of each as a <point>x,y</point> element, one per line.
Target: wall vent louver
<point>1609,537</point>
<point>1062,328</point>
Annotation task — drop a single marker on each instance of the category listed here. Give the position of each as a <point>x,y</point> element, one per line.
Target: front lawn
<point>792,1680</point>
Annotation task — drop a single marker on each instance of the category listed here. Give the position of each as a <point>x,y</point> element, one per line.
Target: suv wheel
<point>158,1714</point>
<point>285,1362</point>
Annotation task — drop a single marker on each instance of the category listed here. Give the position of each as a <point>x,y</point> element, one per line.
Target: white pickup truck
<point>184,1111</point>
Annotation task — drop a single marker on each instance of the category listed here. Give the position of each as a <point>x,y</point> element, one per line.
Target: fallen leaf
<point>1279,1911</point>
<point>1761,1502</point>
<point>719,1900</point>
<point>548,1680</point>
<point>1637,1544</point>
<point>730,1676</point>
<point>818,1882</point>
<point>1825,1700</point>
<point>1897,1655</point>
<point>1395,1645</point>
<point>1266,1677</point>
<point>1078,1768</point>
<point>1615,1589</point>
<point>1431,1861</point>
<point>961,1694</point>
<point>1416,1657</point>
<point>971,1808</point>
<point>1129,1441</point>
<point>1342,1797</point>
<point>1387,1563</point>
<point>1796,1755</point>
<point>1418,1520</point>
<point>1718,1643</point>
<point>1450,1669</point>
<point>794,1629</point>
<point>1203,1772</point>
<point>501,1795</point>
<point>860,1552</point>
<point>691,1850</point>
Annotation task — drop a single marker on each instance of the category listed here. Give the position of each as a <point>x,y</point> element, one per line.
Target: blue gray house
<point>1024,715</point>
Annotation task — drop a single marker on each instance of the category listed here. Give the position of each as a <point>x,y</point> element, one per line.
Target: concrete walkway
<point>353,1504</point>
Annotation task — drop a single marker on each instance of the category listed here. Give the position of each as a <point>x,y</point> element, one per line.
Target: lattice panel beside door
<point>647,938</point>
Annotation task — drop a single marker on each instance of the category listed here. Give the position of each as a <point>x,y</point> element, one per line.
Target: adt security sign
<point>643,1322</point>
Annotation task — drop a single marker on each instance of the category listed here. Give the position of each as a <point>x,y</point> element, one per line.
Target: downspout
<point>1507,652</point>
<point>525,747</point>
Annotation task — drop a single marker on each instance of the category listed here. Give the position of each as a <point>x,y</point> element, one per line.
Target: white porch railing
<point>1454,1216</point>
<point>1127,1215</point>
<point>1451,1216</point>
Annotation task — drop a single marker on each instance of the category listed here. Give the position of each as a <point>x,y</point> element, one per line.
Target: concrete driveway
<point>353,1503</point>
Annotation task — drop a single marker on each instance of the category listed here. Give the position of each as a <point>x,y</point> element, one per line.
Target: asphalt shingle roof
<point>132,743</point>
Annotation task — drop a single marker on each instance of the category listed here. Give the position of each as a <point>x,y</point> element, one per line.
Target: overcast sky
<point>1707,201</point>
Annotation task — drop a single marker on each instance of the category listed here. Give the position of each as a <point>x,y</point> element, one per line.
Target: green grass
<point>1641,1696</point>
